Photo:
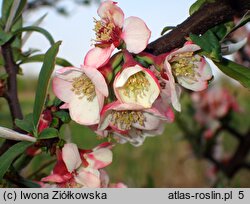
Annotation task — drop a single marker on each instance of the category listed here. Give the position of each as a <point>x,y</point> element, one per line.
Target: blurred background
<point>178,157</point>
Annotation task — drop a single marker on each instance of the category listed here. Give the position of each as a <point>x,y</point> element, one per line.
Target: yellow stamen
<point>103,30</point>
<point>184,65</point>
<point>136,86</point>
<point>124,119</point>
<point>83,86</point>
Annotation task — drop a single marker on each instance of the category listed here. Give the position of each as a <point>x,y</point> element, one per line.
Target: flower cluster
<point>212,106</point>
<point>81,168</point>
<point>128,95</point>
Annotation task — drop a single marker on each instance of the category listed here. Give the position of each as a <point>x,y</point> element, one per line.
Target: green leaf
<point>10,155</point>
<point>167,28</point>
<point>17,43</point>
<point>6,7</point>
<point>20,9</point>
<point>63,115</point>
<point>208,43</point>
<point>4,37</point>
<point>235,71</point>
<point>43,81</point>
<point>36,29</point>
<point>220,31</point>
<point>196,6</point>
<point>40,58</point>
<point>36,23</point>
<point>57,102</point>
<point>26,124</point>
<point>28,183</point>
<point>48,133</point>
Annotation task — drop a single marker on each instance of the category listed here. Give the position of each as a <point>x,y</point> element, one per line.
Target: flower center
<point>107,33</point>
<point>83,86</point>
<point>183,65</point>
<point>124,119</point>
<point>136,86</point>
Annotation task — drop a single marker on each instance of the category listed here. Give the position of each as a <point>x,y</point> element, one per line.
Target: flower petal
<point>99,158</point>
<point>55,178</point>
<point>185,48</point>
<point>71,156</point>
<point>97,79</point>
<point>98,57</point>
<point>151,122</point>
<point>109,10</point>
<point>61,83</point>
<point>135,34</point>
<point>149,95</point>
<point>83,111</point>
<point>172,87</point>
<point>88,179</point>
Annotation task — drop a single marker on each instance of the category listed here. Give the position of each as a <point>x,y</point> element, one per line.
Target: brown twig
<point>10,93</point>
<point>208,16</point>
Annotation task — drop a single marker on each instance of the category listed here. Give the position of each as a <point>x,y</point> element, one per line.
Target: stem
<point>210,15</point>
<point>11,93</point>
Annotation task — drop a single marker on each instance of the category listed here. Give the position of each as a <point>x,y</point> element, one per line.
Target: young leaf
<point>167,28</point>
<point>36,29</point>
<point>12,14</point>
<point>26,124</point>
<point>63,115</point>
<point>36,23</point>
<point>28,183</point>
<point>43,81</point>
<point>40,58</point>
<point>208,43</point>
<point>10,155</point>
<point>6,7</point>
<point>196,5</point>
<point>4,37</point>
<point>235,71</point>
<point>48,133</point>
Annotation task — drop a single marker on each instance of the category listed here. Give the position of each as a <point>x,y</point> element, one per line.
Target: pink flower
<point>215,103</point>
<point>76,168</point>
<point>105,183</point>
<point>169,90</point>
<point>83,91</point>
<point>112,31</point>
<point>211,106</point>
<point>187,69</point>
<point>132,123</point>
<point>136,85</point>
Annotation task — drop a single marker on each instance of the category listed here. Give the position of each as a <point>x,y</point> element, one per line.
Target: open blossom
<point>83,91</point>
<point>113,31</point>
<point>136,85</point>
<point>167,85</point>
<point>187,69</point>
<point>133,123</point>
<point>79,168</point>
<point>212,105</point>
